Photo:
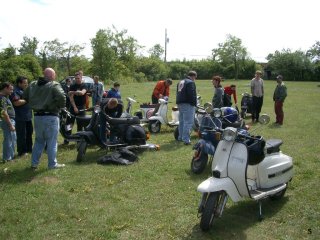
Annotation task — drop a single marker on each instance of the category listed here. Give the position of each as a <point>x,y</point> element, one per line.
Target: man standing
<point>23,117</point>
<point>7,115</point>
<point>257,92</point>
<point>186,100</point>
<point>97,91</point>
<point>279,95</point>
<point>45,97</point>
<point>162,89</point>
<point>231,90</point>
<point>77,95</point>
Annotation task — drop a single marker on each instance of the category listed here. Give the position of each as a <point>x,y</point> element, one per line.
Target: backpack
<point>226,100</point>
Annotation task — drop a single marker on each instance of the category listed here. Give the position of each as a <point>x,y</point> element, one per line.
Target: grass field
<point>156,197</point>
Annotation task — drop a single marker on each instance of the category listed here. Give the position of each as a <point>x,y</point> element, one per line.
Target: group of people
<point>186,100</point>
<point>45,97</point>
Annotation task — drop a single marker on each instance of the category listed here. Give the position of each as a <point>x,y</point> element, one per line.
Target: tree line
<point>115,57</point>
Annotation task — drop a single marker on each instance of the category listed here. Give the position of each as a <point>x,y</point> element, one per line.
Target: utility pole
<point>166,40</point>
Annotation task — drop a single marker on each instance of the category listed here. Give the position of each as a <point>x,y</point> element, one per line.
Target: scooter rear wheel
<point>81,148</point>
<point>209,210</point>
<point>199,163</point>
<point>154,126</point>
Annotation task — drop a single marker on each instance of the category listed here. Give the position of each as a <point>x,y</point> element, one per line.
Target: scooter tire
<point>243,114</point>
<point>154,126</point>
<point>199,163</point>
<point>176,133</point>
<point>208,212</point>
<point>81,148</point>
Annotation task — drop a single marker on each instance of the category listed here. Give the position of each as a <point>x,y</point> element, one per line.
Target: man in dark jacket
<point>112,107</point>
<point>46,98</point>
<point>24,128</point>
<point>186,101</point>
<point>279,95</point>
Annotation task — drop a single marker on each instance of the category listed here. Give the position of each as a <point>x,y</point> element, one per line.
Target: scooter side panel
<point>275,169</point>
<point>237,167</point>
<point>221,157</point>
<point>220,184</point>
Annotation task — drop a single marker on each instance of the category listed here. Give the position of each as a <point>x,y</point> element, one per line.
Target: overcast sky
<point>194,28</point>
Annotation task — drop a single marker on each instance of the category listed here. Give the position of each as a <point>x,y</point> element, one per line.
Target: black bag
<point>122,157</point>
<point>136,135</point>
<point>226,100</point>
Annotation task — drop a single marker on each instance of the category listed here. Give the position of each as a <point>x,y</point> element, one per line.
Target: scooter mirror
<point>208,107</point>
<point>264,119</point>
<point>97,109</point>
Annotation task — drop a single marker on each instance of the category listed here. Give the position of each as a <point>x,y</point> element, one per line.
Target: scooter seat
<point>130,121</point>
<point>273,145</point>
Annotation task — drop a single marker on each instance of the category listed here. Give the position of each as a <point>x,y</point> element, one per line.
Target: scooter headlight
<point>217,112</point>
<point>230,134</point>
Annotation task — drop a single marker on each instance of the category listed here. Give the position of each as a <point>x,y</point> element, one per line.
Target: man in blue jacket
<point>186,101</point>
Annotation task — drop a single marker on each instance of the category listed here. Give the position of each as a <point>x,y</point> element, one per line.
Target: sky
<point>194,28</point>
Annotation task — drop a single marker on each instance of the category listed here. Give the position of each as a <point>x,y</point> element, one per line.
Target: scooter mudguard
<point>213,184</point>
<point>156,118</point>
<point>205,146</point>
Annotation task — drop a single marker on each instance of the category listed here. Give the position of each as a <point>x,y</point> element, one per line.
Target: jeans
<point>186,119</point>
<point>9,141</point>
<point>46,133</point>
<point>24,131</point>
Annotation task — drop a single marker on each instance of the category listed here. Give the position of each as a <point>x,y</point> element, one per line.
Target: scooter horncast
<point>244,166</point>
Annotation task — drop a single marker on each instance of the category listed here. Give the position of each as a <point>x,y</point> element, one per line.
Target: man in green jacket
<point>45,97</point>
<point>279,95</point>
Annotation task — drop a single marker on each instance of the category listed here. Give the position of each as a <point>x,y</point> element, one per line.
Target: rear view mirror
<point>208,107</point>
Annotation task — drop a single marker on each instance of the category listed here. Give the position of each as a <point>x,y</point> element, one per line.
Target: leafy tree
<point>156,51</point>
<point>29,46</point>
<point>231,52</point>
<point>26,65</point>
<point>104,56</point>
<point>293,65</point>
<point>314,52</point>
<point>154,69</point>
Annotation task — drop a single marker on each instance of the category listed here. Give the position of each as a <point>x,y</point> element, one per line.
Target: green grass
<point>156,197</point>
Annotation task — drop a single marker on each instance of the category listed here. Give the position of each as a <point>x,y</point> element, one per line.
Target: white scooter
<point>128,111</point>
<point>154,124</point>
<point>244,166</point>
<point>160,117</point>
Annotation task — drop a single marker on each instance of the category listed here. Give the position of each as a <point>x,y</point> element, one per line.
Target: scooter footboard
<point>213,184</point>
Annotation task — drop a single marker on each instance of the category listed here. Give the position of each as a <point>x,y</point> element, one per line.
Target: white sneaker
<point>58,166</point>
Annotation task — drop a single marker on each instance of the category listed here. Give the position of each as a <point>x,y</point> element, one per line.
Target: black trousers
<point>72,119</point>
<point>24,130</point>
<point>256,107</point>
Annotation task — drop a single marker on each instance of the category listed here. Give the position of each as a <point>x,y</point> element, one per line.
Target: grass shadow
<point>15,175</point>
<point>237,218</point>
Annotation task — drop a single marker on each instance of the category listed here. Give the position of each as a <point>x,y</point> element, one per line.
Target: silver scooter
<point>244,166</point>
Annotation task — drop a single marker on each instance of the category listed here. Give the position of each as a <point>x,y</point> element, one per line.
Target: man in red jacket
<point>162,89</point>
<point>231,90</point>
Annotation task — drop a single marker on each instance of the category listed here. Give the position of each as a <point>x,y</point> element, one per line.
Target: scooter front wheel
<point>154,126</point>
<point>199,162</point>
<point>176,133</point>
<point>209,210</point>
<point>81,148</point>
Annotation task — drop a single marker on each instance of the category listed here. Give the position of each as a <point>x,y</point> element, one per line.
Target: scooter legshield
<point>213,184</point>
